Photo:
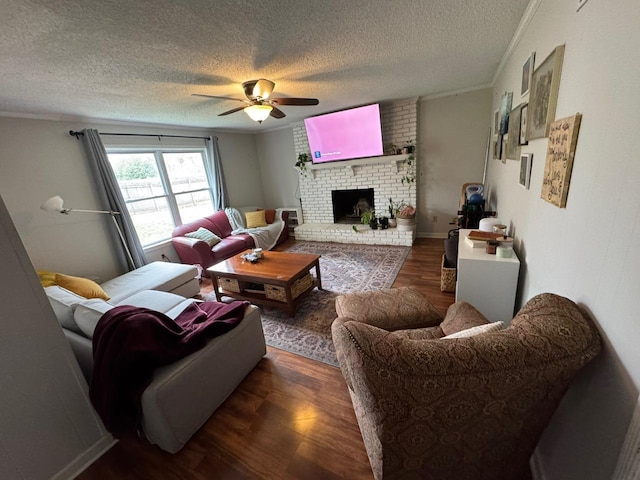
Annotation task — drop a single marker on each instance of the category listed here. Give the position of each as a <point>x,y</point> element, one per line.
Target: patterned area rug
<point>344,269</point>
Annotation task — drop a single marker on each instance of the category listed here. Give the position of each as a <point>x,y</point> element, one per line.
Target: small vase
<point>392,223</point>
<point>373,224</point>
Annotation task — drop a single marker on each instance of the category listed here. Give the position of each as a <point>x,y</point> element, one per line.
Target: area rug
<point>344,269</point>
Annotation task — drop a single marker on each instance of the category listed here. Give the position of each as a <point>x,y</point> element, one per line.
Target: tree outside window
<point>162,189</point>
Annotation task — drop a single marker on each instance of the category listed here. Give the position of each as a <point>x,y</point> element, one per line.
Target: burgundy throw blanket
<point>129,343</point>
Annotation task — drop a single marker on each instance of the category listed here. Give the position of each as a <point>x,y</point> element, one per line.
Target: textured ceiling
<point>140,60</point>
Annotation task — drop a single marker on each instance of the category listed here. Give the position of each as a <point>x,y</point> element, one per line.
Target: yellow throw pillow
<point>47,279</point>
<point>256,219</point>
<point>81,286</point>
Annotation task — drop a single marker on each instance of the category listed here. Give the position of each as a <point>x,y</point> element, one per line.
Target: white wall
<point>39,159</point>
<point>587,251</point>
<point>276,158</point>
<point>48,428</point>
<point>241,169</point>
<point>453,132</point>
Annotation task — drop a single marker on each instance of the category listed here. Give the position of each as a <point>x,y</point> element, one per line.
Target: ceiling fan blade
<point>220,98</point>
<point>294,101</point>
<point>277,113</point>
<point>263,88</point>
<point>234,110</point>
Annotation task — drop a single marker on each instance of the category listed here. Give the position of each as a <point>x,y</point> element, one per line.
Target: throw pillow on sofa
<point>256,219</point>
<point>461,316</point>
<point>204,235</point>
<point>81,286</point>
<point>480,329</point>
<point>269,215</point>
<point>64,302</point>
<point>47,279</point>
<point>88,313</point>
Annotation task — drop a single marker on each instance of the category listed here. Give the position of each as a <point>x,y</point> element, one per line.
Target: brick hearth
<point>344,233</point>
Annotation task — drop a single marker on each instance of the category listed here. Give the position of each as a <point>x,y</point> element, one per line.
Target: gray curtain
<point>111,197</point>
<point>216,175</point>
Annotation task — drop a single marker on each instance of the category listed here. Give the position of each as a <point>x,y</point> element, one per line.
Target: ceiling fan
<point>260,106</point>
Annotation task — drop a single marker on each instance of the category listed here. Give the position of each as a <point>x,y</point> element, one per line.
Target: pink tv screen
<point>354,133</point>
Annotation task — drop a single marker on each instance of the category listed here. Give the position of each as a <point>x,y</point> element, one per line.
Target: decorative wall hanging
<point>505,108</point>
<point>513,148</point>
<point>527,73</point>
<point>525,169</point>
<point>496,122</point>
<point>503,148</point>
<point>543,94</point>
<point>563,137</point>
<point>523,124</point>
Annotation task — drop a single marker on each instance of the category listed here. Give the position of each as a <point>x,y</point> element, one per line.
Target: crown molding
<point>529,13</point>
<point>426,98</point>
<point>93,120</point>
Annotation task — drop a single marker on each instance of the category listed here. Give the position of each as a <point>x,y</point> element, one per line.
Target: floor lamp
<point>55,204</point>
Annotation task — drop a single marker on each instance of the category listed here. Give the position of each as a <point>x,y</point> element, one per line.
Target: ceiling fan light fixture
<point>258,113</point>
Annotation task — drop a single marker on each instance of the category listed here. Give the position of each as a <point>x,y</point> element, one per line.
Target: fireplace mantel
<point>351,164</point>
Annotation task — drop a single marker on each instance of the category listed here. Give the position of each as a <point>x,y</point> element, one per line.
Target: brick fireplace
<point>381,174</point>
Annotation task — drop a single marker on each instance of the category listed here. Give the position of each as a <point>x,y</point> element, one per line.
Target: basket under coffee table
<point>278,279</point>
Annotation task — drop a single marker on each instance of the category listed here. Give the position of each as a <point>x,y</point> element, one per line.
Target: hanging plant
<point>303,159</point>
<point>409,174</point>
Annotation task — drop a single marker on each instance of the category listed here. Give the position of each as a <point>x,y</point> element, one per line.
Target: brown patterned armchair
<point>464,408</point>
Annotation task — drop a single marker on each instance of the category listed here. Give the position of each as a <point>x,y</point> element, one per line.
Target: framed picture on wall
<point>527,73</point>
<point>543,94</point>
<point>496,122</point>
<point>503,148</point>
<point>505,108</point>
<point>523,124</point>
<point>513,147</point>
<point>525,169</point>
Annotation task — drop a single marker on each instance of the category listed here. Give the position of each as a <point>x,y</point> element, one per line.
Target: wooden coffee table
<point>278,279</point>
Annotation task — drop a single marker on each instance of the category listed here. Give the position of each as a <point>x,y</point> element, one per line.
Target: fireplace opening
<point>349,205</point>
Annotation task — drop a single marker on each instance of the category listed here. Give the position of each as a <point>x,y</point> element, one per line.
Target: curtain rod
<point>79,134</point>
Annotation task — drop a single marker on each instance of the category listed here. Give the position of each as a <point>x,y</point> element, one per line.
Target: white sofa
<point>183,395</point>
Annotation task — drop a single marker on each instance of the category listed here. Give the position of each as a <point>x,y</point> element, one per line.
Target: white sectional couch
<point>183,395</point>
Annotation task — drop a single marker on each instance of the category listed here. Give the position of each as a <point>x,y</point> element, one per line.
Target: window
<point>162,189</point>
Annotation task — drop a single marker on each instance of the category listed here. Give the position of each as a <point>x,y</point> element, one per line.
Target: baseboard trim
<point>86,458</point>
<point>431,235</point>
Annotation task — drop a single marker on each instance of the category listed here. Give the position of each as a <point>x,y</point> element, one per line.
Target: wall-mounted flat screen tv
<point>353,133</point>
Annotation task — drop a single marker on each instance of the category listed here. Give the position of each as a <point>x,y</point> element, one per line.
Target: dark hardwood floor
<point>291,418</point>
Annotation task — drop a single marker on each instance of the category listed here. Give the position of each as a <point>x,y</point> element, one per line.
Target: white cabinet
<point>487,282</point>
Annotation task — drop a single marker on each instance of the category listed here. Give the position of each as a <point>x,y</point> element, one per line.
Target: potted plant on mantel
<point>393,211</point>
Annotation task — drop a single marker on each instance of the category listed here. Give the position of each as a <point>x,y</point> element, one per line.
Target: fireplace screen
<point>349,205</point>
